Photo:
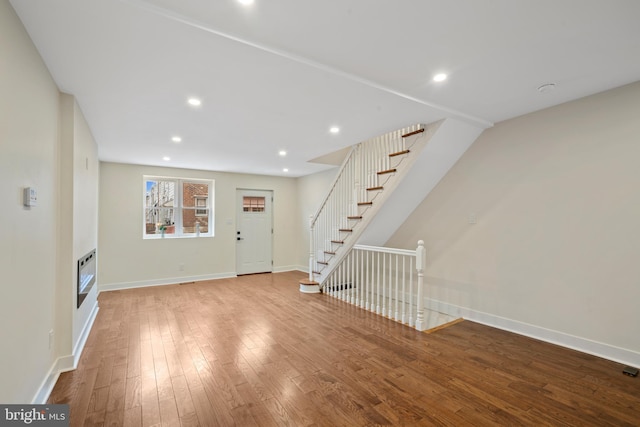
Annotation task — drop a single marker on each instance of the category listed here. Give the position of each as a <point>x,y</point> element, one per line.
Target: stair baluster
<point>386,281</point>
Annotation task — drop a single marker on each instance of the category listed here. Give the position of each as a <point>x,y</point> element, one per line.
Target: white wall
<point>555,249</point>
<point>28,157</point>
<point>126,259</point>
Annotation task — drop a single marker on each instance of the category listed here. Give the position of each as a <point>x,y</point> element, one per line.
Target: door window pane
<point>253,204</point>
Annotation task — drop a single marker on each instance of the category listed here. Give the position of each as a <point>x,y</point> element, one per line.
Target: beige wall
<point>556,244</point>
<point>85,213</point>
<point>78,223</point>
<point>28,157</point>
<point>312,189</point>
<point>126,259</point>
<point>44,143</point>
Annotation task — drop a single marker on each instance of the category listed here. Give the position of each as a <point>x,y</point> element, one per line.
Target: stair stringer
<point>433,162</point>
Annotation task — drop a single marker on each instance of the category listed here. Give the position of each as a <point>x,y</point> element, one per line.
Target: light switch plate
<point>30,197</point>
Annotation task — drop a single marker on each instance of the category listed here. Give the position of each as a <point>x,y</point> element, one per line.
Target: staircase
<point>369,174</point>
<point>357,208</point>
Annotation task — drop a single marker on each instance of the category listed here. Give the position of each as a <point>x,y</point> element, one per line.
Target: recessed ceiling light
<point>334,129</point>
<point>194,101</point>
<point>176,139</point>
<point>245,2</point>
<point>285,170</point>
<point>166,158</point>
<point>282,153</point>
<point>440,77</point>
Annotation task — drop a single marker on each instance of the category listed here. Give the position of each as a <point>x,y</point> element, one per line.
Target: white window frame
<point>178,207</point>
<point>199,208</point>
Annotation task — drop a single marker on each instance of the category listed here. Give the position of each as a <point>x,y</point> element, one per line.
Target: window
<point>253,204</point>
<point>175,207</point>
<point>201,206</point>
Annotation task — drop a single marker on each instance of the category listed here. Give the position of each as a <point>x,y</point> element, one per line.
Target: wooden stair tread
<point>329,253</point>
<point>308,282</point>
<point>375,188</point>
<point>387,171</point>
<point>413,133</point>
<point>339,242</point>
<point>346,230</point>
<point>355,217</point>
<point>364,203</point>
<point>323,262</point>
<point>399,153</point>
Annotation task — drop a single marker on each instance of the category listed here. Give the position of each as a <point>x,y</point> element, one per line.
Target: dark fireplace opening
<point>86,275</point>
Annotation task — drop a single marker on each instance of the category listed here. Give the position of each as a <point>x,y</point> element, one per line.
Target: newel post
<point>311,248</point>
<point>421,258</point>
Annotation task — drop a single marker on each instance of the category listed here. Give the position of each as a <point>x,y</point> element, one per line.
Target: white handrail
<point>346,160</point>
<point>385,250</point>
<point>387,281</point>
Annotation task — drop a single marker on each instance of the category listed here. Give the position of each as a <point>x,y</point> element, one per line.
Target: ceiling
<point>277,74</point>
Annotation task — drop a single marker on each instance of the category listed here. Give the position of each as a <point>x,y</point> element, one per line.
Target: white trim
<point>178,208</point>
<point>82,339</point>
<point>284,268</point>
<point>309,289</point>
<point>595,348</point>
<point>160,282</point>
<point>394,251</point>
<point>176,280</point>
<point>303,268</point>
<point>59,366</point>
<point>64,363</point>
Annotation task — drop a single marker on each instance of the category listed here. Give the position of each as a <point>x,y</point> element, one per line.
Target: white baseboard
<point>58,367</point>
<point>65,363</point>
<point>82,339</point>
<point>606,351</point>
<point>289,268</point>
<point>159,282</point>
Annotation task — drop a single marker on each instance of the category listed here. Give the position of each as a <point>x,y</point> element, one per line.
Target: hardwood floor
<point>253,351</point>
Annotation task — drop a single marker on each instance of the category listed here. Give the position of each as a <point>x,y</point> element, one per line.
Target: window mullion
<point>178,207</point>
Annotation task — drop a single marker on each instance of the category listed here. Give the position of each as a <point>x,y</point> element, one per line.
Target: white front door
<point>254,231</point>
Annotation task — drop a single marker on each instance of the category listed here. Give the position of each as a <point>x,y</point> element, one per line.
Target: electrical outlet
<point>50,339</point>
<point>473,218</point>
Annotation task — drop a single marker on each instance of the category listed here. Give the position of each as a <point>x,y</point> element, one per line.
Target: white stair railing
<point>365,172</point>
<point>387,281</point>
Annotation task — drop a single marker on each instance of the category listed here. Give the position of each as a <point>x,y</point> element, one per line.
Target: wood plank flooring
<point>253,351</point>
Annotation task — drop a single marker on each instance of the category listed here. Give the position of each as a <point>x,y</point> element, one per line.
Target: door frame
<point>240,192</point>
